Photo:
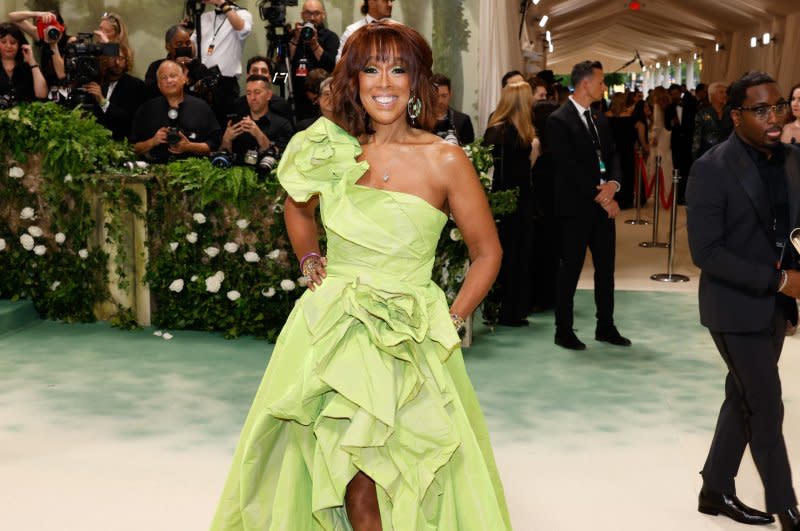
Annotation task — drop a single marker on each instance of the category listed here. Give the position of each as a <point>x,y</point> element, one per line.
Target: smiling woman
<point>366,416</point>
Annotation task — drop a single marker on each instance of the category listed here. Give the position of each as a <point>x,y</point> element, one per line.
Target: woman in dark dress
<point>624,134</point>
<point>513,136</point>
<point>21,79</point>
<point>52,49</point>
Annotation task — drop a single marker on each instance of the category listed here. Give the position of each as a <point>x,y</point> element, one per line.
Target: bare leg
<point>361,502</point>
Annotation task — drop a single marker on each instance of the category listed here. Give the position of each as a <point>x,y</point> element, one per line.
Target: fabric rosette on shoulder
<point>318,158</point>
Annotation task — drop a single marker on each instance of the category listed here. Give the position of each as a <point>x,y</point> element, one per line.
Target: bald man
<point>313,48</point>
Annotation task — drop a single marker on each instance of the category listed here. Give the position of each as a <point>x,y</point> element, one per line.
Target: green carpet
<point>200,385</point>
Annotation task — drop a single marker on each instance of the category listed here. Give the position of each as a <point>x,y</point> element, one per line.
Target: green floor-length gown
<point>366,374</point>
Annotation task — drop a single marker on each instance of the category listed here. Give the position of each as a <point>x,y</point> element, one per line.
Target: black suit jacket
<point>576,169</point>
<point>128,96</point>
<point>683,133</point>
<point>732,238</point>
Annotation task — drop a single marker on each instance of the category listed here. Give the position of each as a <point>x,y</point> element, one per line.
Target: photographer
<point>311,46</point>
<point>20,77</point>
<point>259,129</point>
<point>224,31</point>
<point>179,46</point>
<point>118,94</point>
<point>49,30</point>
<point>451,124</point>
<point>175,124</point>
<point>258,65</point>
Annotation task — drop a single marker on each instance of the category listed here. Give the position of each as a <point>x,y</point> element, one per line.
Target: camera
<point>194,7</point>
<point>307,31</point>
<point>49,31</point>
<point>274,11</point>
<point>173,131</point>
<point>269,159</point>
<point>221,159</point>
<point>82,58</point>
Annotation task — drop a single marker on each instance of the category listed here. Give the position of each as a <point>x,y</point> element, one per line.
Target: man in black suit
<point>679,118</point>
<point>586,180</point>
<point>450,123</point>
<point>119,95</point>
<point>742,201</point>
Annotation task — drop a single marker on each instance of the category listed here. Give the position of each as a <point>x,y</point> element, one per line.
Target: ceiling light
<point>694,56</point>
<point>535,2</point>
<point>719,47</point>
<point>658,65</point>
<point>766,38</point>
<point>550,47</point>
<point>680,60</point>
<point>669,63</point>
<point>543,21</point>
<point>753,42</point>
<point>547,36</point>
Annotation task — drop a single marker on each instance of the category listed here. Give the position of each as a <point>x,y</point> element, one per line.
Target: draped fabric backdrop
<point>499,51</point>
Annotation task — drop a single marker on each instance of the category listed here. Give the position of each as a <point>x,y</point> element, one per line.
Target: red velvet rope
<point>666,202</point>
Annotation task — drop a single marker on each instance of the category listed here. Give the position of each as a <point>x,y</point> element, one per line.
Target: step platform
<point>15,315</point>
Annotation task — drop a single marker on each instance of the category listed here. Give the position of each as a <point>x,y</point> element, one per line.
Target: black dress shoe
<point>790,520</point>
<point>729,505</point>
<point>612,335</point>
<point>569,340</point>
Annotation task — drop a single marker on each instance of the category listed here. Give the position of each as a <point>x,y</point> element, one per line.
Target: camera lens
<point>307,32</point>
<point>53,34</point>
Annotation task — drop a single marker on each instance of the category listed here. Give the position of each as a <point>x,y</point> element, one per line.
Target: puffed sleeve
<point>318,159</point>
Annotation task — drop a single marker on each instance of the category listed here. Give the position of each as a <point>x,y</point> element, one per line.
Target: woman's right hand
<point>45,16</point>
<point>314,271</point>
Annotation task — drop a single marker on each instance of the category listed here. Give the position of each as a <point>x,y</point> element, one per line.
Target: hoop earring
<point>414,108</point>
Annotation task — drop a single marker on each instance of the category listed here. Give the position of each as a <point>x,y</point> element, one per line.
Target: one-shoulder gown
<point>366,375</point>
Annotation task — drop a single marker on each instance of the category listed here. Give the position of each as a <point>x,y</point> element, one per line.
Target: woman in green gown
<point>366,418</point>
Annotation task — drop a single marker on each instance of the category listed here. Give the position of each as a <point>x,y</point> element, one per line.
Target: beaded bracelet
<point>306,257</point>
<point>458,322</point>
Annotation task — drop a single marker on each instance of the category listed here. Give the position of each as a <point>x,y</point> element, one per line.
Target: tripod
<point>277,53</point>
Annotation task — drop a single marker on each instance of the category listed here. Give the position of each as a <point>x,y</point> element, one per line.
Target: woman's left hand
<point>314,271</point>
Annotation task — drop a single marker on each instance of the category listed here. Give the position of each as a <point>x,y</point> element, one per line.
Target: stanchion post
<point>637,193</point>
<point>656,195</point>
<point>673,223</point>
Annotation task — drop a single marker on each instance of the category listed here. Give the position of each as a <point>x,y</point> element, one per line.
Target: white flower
<point>68,178</point>
<point>213,284</point>
<point>274,255</point>
<point>27,213</point>
<point>199,218</point>
<point>242,223</point>
<point>40,250</point>
<point>60,238</point>
<point>167,336</point>
<point>27,241</point>
<point>141,164</point>
<point>251,256</point>
<point>194,278</point>
<point>173,246</point>
<point>233,295</point>
<point>211,251</point>
<point>220,275</point>
<point>191,237</point>
<point>176,285</point>
<point>302,281</point>
<point>83,253</point>
<point>158,333</point>
<point>54,286</point>
<point>16,172</point>
<point>2,244</point>
<point>231,247</point>
<point>287,285</point>
<point>13,114</point>
<point>455,235</point>
<point>268,293</point>
<point>35,231</point>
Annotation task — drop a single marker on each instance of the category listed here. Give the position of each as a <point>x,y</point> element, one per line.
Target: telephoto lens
<point>307,31</point>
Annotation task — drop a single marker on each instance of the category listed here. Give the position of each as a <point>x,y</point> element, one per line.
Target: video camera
<point>82,59</point>
<point>274,11</point>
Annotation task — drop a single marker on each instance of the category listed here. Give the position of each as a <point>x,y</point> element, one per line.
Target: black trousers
<point>752,413</point>
<point>592,229</point>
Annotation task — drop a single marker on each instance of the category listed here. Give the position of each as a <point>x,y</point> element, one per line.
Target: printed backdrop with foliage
<point>219,258</point>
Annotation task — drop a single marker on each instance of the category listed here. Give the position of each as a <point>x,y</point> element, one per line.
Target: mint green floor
<point>527,385</point>
<point>92,417</point>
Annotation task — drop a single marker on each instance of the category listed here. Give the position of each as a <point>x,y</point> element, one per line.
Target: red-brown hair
<point>383,40</point>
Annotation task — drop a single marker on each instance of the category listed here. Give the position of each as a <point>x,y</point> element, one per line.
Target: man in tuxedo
<point>742,201</point>
<point>450,123</point>
<point>586,180</point>
<point>118,95</point>
<point>679,118</point>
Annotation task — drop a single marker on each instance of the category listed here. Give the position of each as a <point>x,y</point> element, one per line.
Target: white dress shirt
<point>581,111</point>
<point>352,28</point>
<point>228,43</point>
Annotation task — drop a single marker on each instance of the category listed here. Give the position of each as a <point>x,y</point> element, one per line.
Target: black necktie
<point>592,129</point>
